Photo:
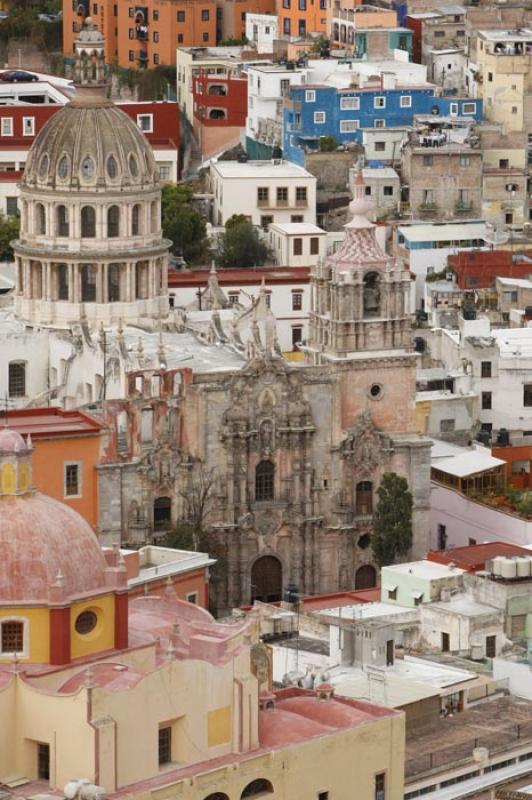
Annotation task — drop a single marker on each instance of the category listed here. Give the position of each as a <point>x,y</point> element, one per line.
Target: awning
<point>390,587</point>
<point>417,595</point>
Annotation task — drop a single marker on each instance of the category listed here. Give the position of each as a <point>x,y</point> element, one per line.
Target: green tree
<point>9,230</point>
<point>392,536</point>
<point>327,144</point>
<point>182,224</point>
<point>241,245</point>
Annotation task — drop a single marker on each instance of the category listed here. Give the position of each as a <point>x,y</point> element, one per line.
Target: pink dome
<point>11,441</point>
<point>40,538</point>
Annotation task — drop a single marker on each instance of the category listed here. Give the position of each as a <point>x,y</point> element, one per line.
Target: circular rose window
<point>375,391</point>
<point>86,622</point>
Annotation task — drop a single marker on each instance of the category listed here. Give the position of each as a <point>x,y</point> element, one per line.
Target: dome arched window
<point>62,226</point>
<point>135,220</point>
<point>88,222</point>
<point>43,166</point>
<point>87,168</point>
<point>40,219</point>
<point>113,221</point>
<point>63,168</point>
<point>133,166</point>
<point>112,167</point>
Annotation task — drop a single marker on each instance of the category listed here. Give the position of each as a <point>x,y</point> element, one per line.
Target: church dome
<point>90,146</point>
<point>11,441</point>
<point>41,539</point>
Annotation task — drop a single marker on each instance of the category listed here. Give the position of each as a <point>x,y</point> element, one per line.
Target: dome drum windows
<point>40,219</point>
<point>13,637</point>
<point>88,222</point>
<point>86,622</point>
<point>113,222</point>
<point>136,221</point>
<point>62,225</point>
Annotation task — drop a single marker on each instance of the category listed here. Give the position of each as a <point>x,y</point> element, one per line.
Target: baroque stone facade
<point>294,452</point>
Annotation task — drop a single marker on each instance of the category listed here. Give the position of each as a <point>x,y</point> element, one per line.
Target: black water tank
<point>469,311</point>
<point>503,437</point>
<point>419,344</point>
<point>484,437</point>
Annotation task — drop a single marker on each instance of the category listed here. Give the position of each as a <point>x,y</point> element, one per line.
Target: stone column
<point>105,287</point>
<point>48,282</point>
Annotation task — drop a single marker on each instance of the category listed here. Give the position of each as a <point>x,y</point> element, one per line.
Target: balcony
<point>143,58</point>
<point>141,32</point>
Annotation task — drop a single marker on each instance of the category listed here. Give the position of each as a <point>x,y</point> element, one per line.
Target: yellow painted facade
<point>37,643</point>
<point>219,726</point>
<point>103,636</point>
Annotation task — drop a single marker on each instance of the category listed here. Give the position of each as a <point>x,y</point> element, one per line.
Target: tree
<point>182,224</point>
<point>241,245</point>
<point>9,230</point>
<point>392,536</point>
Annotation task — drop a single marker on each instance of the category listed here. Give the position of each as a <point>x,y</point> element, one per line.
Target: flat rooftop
<point>473,557</point>
<point>428,570</point>
<point>363,611</point>
<point>260,169</point>
<point>240,277</point>
<point>443,231</point>
<point>474,460</point>
<point>492,35</point>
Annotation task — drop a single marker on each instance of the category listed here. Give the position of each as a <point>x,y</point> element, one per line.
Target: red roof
<point>241,277</point>
<point>322,601</point>
<point>51,423</point>
<point>473,557</point>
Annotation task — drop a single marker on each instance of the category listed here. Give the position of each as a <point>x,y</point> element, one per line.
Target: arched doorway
<point>162,513</point>
<point>267,579</point>
<point>366,577</point>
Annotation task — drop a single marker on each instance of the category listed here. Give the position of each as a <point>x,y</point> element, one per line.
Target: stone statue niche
<point>372,295</point>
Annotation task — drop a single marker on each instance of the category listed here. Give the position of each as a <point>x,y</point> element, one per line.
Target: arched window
<point>217,113</point>
<point>89,275</point>
<point>135,220</point>
<point>17,378</point>
<point>365,577</point>
<point>62,281</point>
<point>364,497</point>
<point>12,640</point>
<point>256,787</point>
<point>40,219</point>
<point>371,294</point>
<point>216,796</point>
<point>62,226</point>
<point>113,221</point>
<point>264,481</point>
<point>88,222</point>
<point>162,513</point>
<point>113,283</point>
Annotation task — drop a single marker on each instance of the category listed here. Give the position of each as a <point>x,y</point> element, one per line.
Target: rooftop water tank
<point>496,565</point>
<point>523,566</point>
<point>509,568</point>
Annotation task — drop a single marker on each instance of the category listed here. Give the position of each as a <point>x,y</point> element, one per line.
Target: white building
<point>426,246</point>
<point>268,85</point>
<point>384,144</point>
<point>264,191</point>
<point>446,67</point>
<point>261,30</point>
<point>297,244</point>
<point>383,185</point>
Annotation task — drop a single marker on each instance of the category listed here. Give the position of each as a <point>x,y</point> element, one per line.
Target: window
<point>445,642</point>
<point>112,167</point>
<point>380,123</point>
<point>297,301</point>
<point>380,786</point>
<point>469,108</point>
<point>296,218</point>
<point>135,220</point>
<point>88,222</point>
<point>282,196</point>
<point>297,337</point>
<point>350,103</point>
<point>205,15</point>
<point>180,16</point>
<point>485,369</point>
<point>364,498</point>
<point>11,206</point>
<point>28,126</point>
<point>447,425</point>
<point>87,168</point>
<point>387,191</point>
<point>319,117</point>
<point>298,246</point>
<point>131,11</point>
<point>131,55</point>
<point>145,122</point>
<point>266,221</point>
<point>192,597</point>
<point>180,38</point>
<point>113,222</point>
<point>301,195</point>
<point>392,593</point>
<point>348,125</point>
<point>63,228</point>
<point>40,218</point>
<point>442,537</point>
<point>286,27</point>
<point>379,102</point>
<point>233,298</point>
<point>465,161</point>
<point>12,637</point>
<point>310,96</point>
<point>504,163</point>
<point>264,479</point>
<point>156,16</point>
<point>7,126</point>
<point>131,33</point>
<point>406,101</point>
<point>165,746</point>
<point>323,796</point>
<point>17,379</point>
<point>314,246</point>
<point>85,622</point>
<point>514,109</point>
<point>527,395</point>
<point>263,195</point>
<point>380,147</point>
<point>491,646</point>
<point>439,34</point>
<point>72,480</point>
<point>428,161</point>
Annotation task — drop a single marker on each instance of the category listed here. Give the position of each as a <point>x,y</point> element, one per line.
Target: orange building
<point>67,451</point>
<point>299,17</point>
<point>232,16</point>
<point>143,35</point>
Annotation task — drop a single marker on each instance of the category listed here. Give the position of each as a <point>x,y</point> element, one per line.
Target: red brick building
<point>220,110</point>
<point>477,269</point>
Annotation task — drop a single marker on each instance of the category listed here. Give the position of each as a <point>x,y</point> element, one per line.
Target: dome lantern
<point>89,69</point>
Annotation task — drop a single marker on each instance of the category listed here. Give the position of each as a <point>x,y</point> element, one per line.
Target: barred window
<point>264,478</point>
<point>12,637</point>
<point>17,379</point>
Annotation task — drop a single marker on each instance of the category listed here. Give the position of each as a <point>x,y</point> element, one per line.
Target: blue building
<point>314,111</point>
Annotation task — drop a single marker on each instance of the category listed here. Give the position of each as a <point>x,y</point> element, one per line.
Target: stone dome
<point>92,146</point>
<point>41,538</point>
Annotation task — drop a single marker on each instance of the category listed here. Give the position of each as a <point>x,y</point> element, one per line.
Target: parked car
<point>48,17</point>
<point>18,76</point>
<point>4,15</point>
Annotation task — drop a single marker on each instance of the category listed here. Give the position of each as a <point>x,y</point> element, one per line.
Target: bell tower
<point>360,294</point>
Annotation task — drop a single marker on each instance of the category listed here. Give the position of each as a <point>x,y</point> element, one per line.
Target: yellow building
<point>504,60</point>
<point>154,699</point>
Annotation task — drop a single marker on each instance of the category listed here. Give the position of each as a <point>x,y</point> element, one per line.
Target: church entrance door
<point>365,577</point>
<point>267,579</point>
